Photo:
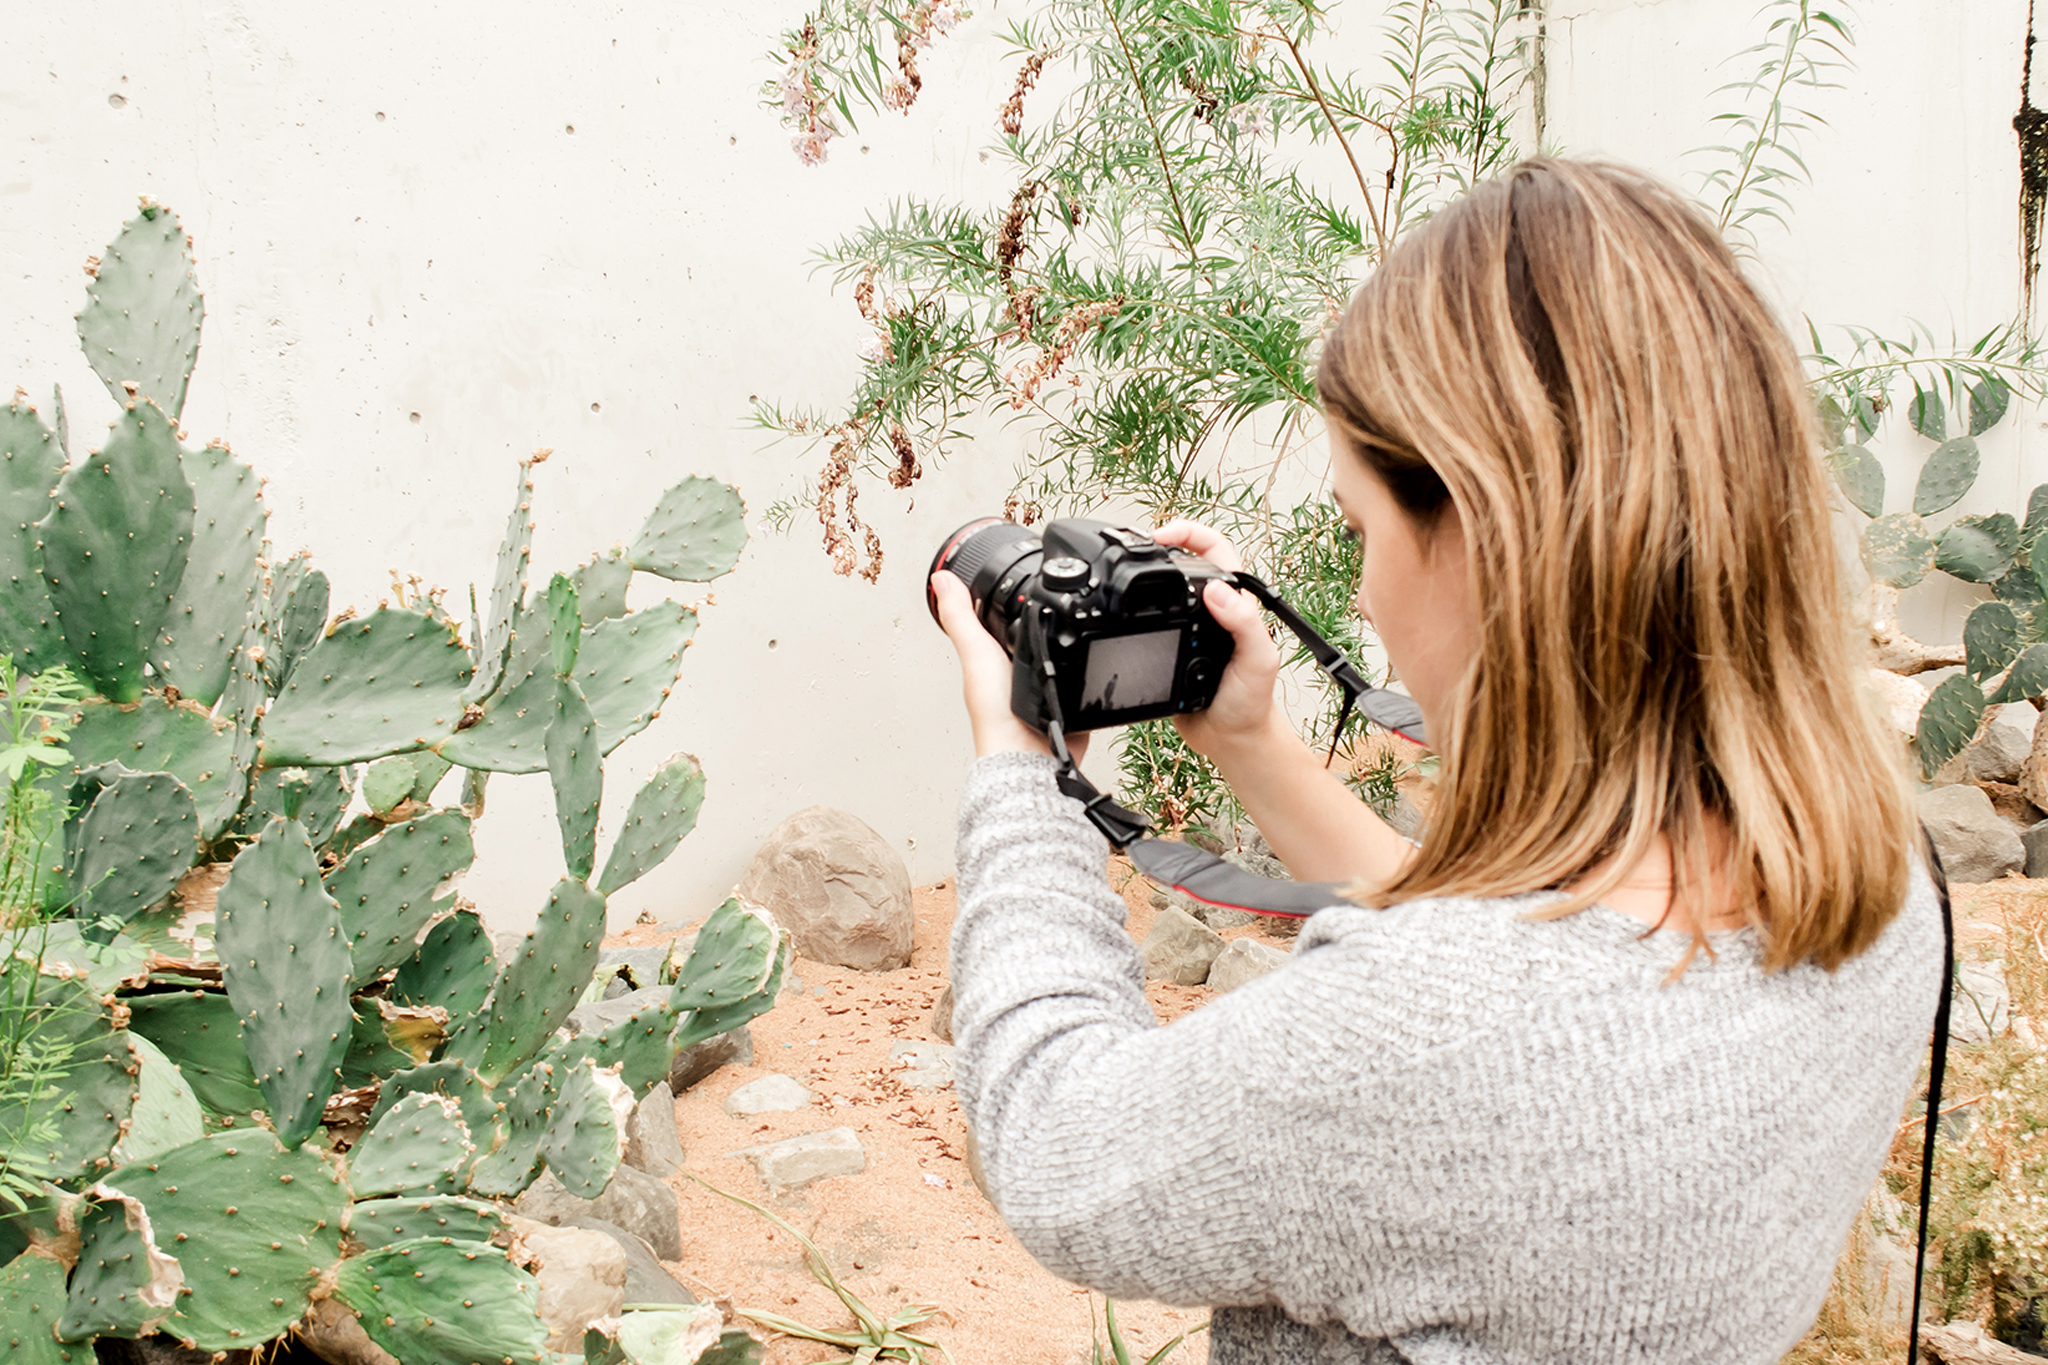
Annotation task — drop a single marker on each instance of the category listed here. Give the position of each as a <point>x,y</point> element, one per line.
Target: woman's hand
<point>985,670</point>
<point>1242,717</point>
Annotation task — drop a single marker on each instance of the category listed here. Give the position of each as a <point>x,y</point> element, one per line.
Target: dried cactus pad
<point>124,1284</point>
<point>455,1302</point>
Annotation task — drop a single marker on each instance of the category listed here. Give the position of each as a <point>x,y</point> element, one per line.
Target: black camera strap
<point>1937,1064</point>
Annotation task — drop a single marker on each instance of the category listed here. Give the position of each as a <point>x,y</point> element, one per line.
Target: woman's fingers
<point>1198,539</point>
<point>984,674</point>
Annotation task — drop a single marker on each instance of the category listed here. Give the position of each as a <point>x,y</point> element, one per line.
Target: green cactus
<point>511,1166</point>
<point>1926,414</point>
<point>286,967</point>
<point>663,812</point>
<point>114,550</point>
<point>478,1103</point>
<point>391,887</point>
<point>216,599</point>
<point>419,1147</point>
<point>1948,722</point>
<point>325,802</point>
<point>128,848</point>
<point>140,324</point>
<point>1861,479</point>
<point>543,981</point>
<point>153,735</point>
<point>576,769</point>
<point>1897,550</point>
<point>1978,549</point>
<point>31,463</point>
<point>31,1305</point>
<point>601,585</point>
<point>387,782</point>
<point>1991,639</point>
<point>166,1113</point>
<point>377,1047</point>
<point>694,534</point>
<point>405,1295</point>
<point>642,1047</point>
<point>508,586</point>
<point>124,1284</point>
<point>386,683</point>
<point>565,625</point>
<point>253,1226</point>
<point>733,973</point>
<point>295,614</point>
<point>240,704</point>
<point>65,1015</point>
<point>381,1222</point>
<point>1989,398</point>
<point>454,967</point>
<point>586,1132</point>
<point>1946,476</point>
<point>2028,677</point>
<point>198,1030</point>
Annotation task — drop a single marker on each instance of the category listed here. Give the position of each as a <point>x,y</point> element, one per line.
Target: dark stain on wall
<point>2031,123</point>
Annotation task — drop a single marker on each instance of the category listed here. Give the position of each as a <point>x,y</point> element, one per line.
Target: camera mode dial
<point>1064,573</point>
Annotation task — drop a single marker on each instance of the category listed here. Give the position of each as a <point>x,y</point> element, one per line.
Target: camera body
<point>1119,617</point>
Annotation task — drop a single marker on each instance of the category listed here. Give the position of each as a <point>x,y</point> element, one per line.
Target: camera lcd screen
<point>1130,670</point>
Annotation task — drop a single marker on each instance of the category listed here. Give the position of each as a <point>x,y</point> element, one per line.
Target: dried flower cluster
<point>838,493</point>
<point>914,33</point>
<point>1025,381</point>
<point>1012,119</point>
<point>1018,510</point>
<point>803,99</point>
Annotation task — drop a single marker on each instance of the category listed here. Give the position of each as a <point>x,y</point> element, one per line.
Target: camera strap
<point>1937,1064</point>
<point>1190,870</point>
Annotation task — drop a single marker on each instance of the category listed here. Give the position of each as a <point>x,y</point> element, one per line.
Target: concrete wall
<point>435,236</point>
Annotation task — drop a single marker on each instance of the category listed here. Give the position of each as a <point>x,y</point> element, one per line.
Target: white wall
<point>393,218</point>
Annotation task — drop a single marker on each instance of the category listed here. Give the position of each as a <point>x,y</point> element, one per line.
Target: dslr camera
<point>1109,617</point>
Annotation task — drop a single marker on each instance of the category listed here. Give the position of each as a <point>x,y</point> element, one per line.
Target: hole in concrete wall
<point>413,417</point>
<point>117,100</point>
<point>380,116</point>
<point>775,644</point>
<point>594,407</point>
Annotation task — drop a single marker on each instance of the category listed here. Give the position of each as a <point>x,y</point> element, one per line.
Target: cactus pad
<point>601,585</point>
<point>372,1051</point>
<point>385,683</point>
<point>1948,722</point>
<point>1989,399</point>
<point>586,1133</point>
<point>542,983</point>
<point>670,1336</point>
<point>454,967</point>
<point>694,534</point>
<point>326,800</point>
<point>387,782</point>
<point>124,1284</point>
<point>217,599</point>
<point>253,1227</point>
<point>1991,639</point>
<point>31,463</point>
<point>418,1147</point>
<point>664,810</point>
<point>2028,677</point>
<point>31,1305</point>
<point>114,550</point>
<point>1897,550</point>
<point>1978,549</point>
<point>1927,414</point>
<point>457,1302</point>
<point>733,973</point>
<point>198,1030</point>
<point>156,736</point>
<point>128,849</point>
<point>576,769</point>
<point>295,612</point>
<point>166,1112</point>
<point>476,1101</point>
<point>90,1103</point>
<point>381,1222</point>
<point>1861,479</point>
<point>286,966</point>
<point>642,1047</point>
<point>391,887</point>
<point>508,1169</point>
<point>1946,476</point>
<point>508,586</point>
<point>140,323</point>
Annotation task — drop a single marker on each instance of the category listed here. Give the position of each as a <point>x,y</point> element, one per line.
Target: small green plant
<point>1117,1351</point>
<point>36,714</point>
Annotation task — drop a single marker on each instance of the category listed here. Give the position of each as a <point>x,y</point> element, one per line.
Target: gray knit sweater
<point>1442,1132</point>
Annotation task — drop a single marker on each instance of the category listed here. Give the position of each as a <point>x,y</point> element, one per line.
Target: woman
<point>1603,1069</point>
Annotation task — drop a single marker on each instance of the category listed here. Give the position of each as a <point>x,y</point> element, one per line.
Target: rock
<point>634,1200</point>
<point>1179,949</point>
<point>1217,917</point>
<point>1982,1008</point>
<point>798,1161</point>
<point>699,1060</point>
<point>329,1330</point>
<point>598,1017</point>
<point>1242,961</point>
<point>582,1278</point>
<point>617,986</point>
<point>641,965</point>
<point>1974,843</point>
<point>2011,803</point>
<point>1997,756</point>
<point>840,889</point>
<point>1888,1279</point>
<point>974,1171</point>
<point>772,1094</point>
<point>652,1144</point>
<point>2035,841</point>
<point>647,1281</point>
<point>926,1066</point>
<point>942,1015</point>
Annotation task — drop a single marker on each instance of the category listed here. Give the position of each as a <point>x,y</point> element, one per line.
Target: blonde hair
<point>1571,357</point>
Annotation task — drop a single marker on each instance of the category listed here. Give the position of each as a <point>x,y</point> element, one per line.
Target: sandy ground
<point>912,1228</point>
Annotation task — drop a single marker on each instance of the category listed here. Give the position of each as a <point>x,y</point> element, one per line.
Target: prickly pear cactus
<point>130,846</point>
<point>31,1305</point>
<point>216,600</point>
<point>124,1283</point>
<point>663,813</point>
<point>392,887</point>
<point>694,534</point>
<point>543,981</point>
<point>455,1301</point>
<point>381,1222</point>
<point>419,1147</point>
<point>31,463</point>
<point>1948,722</point>
<point>508,585</point>
<point>453,968</point>
<point>386,683</point>
<point>140,323</point>
<point>1946,476</point>
<point>586,1132</point>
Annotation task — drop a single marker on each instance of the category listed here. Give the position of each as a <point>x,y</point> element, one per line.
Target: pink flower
<point>944,16</point>
<point>810,147</point>
<point>897,94</point>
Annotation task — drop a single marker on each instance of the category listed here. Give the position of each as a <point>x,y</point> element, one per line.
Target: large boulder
<point>1975,844</point>
<point>838,887</point>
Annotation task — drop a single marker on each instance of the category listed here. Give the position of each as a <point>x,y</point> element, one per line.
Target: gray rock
<point>1179,949</point>
<point>1982,1009</point>
<point>1217,917</point>
<point>798,1161</point>
<point>942,1013</point>
<point>582,1277</point>
<point>598,1017</point>
<point>2035,841</point>
<point>1243,960</point>
<point>840,889</point>
<point>699,1060</point>
<point>617,986</point>
<point>641,965</point>
<point>1998,755</point>
<point>772,1094</point>
<point>646,1279</point>
<point>974,1169</point>
<point>1975,844</point>
<point>652,1143</point>
<point>634,1200</point>
<point>927,1066</point>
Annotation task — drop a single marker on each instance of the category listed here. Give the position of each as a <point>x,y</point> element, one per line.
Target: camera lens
<point>982,554</point>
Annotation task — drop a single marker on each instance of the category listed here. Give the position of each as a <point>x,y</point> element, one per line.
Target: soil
<point>912,1228</point>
